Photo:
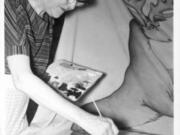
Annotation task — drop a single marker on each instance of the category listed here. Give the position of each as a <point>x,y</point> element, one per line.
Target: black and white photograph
<point>88,67</point>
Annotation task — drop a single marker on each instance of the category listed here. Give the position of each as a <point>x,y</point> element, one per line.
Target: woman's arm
<point>27,82</point>
<point>39,91</point>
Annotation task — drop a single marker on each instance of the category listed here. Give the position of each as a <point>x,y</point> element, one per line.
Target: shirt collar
<point>45,18</point>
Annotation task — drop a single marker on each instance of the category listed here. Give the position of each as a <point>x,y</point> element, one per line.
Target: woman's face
<point>56,8</point>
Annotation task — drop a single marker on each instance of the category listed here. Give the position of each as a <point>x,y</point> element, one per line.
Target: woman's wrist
<point>82,117</point>
<point>85,121</point>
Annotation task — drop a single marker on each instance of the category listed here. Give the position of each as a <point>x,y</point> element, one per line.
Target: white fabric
<point>99,35</point>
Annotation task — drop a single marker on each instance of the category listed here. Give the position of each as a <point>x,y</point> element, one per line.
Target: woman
<point>28,36</point>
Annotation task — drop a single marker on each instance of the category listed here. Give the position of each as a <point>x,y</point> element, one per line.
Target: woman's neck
<point>38,6</point>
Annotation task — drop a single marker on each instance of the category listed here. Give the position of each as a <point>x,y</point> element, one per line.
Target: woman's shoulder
<point>14,4</point>
<point>16,12</point>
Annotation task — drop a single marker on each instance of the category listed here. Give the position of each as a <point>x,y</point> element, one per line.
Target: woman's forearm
<point>44,95</point>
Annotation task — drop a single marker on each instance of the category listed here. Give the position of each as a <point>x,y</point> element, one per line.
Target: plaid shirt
<point>28,34</point>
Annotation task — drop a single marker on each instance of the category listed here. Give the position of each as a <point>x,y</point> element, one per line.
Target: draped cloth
<point>97,36</point>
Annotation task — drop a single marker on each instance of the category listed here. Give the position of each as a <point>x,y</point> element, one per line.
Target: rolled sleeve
<point>16,28</point>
